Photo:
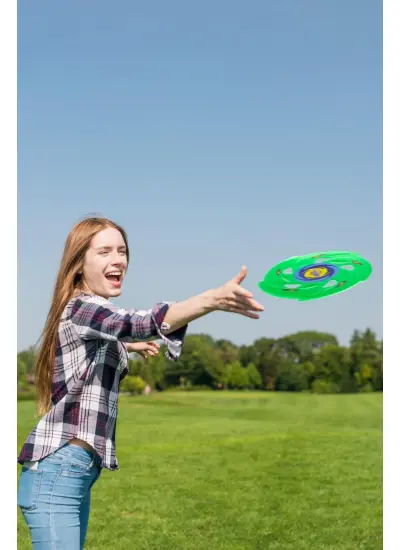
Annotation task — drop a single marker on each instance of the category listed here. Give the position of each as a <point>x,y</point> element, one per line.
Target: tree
<point>152,370</point>
<point>302,346</point>
<point>200,363</point>
<point>22,380</point>
<point>267,360</point>
<point>292,377</point>
<point>369,340</point>
<point>238,376</point>
<point>355,338</point>
<point>21,367</point>
<point>253,376</point>
<point>309,370</point>
<point>227,351</point>
<point>247,355</point>
<point>366,360</point>
<point>332,365</point>
<point>28,357</point>
<point>296,362</point>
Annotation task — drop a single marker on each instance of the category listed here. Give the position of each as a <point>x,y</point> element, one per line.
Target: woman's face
<point>105,264</point>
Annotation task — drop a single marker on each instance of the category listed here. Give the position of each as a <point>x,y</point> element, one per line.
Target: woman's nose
<point>116,259</point>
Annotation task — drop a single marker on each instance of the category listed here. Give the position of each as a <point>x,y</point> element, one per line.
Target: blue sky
<point>218,134</point>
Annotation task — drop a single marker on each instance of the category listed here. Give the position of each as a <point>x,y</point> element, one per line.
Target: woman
<point>82,359</point>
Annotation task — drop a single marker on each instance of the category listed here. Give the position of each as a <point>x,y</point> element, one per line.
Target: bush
<point>367,388</point>
<point>23,386</point>
<point>324,386</point>
<point>189,387</point>
<point>26,396</point>
<point>133,385</point>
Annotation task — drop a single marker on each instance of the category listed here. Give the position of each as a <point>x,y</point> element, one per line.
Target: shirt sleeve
<point>97,318</point>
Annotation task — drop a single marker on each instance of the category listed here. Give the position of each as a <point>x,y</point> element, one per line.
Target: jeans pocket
<point>78,464</point>
<point>29,489</point>
<point>76,468</point>
<point>53,459</point>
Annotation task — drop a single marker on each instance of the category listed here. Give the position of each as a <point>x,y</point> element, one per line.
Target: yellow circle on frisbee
<point>315,273</point>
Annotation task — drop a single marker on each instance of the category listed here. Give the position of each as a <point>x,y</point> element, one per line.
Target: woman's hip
<point>66,476</point>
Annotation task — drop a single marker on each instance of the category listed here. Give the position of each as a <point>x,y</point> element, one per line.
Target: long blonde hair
<point>69,280</point>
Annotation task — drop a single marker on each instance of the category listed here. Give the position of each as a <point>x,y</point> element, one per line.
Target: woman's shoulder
<point>89,297</point>
<point>84,298</point>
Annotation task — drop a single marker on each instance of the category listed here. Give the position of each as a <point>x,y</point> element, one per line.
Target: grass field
<point>234,470</point>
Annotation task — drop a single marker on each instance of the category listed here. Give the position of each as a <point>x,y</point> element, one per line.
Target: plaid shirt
<point>91,360</point>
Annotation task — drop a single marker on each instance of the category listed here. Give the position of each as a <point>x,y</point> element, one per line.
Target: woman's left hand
<point>143,348</point>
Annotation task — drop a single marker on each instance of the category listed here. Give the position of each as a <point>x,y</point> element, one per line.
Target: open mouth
<point>114,277</point>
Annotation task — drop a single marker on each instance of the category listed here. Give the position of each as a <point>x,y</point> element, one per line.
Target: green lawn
<point>233,470</point>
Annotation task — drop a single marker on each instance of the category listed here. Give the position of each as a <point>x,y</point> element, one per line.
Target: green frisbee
<point>315,275</point>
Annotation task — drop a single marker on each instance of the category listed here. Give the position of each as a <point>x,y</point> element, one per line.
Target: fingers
<point>244,312</point>
<point>248,303</point>
<point>152,349</point>
<point>236,299</point>
<point>240,291</point>
<point>240,276</point>
<point>148,349</point>
<point>245,297</point>
<point>243,305</point>
<point>153,346</point>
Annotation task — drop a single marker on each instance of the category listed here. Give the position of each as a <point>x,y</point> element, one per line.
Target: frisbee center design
<point>314,272</point>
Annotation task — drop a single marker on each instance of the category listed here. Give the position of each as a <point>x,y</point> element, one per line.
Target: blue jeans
<point>54,497</point>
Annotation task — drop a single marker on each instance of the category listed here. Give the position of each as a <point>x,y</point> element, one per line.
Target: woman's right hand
<point>236,299</point>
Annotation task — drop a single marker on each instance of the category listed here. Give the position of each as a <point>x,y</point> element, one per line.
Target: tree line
<point>305,361</point>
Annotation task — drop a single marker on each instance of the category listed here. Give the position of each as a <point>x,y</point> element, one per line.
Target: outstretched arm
<point>229,297</point>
